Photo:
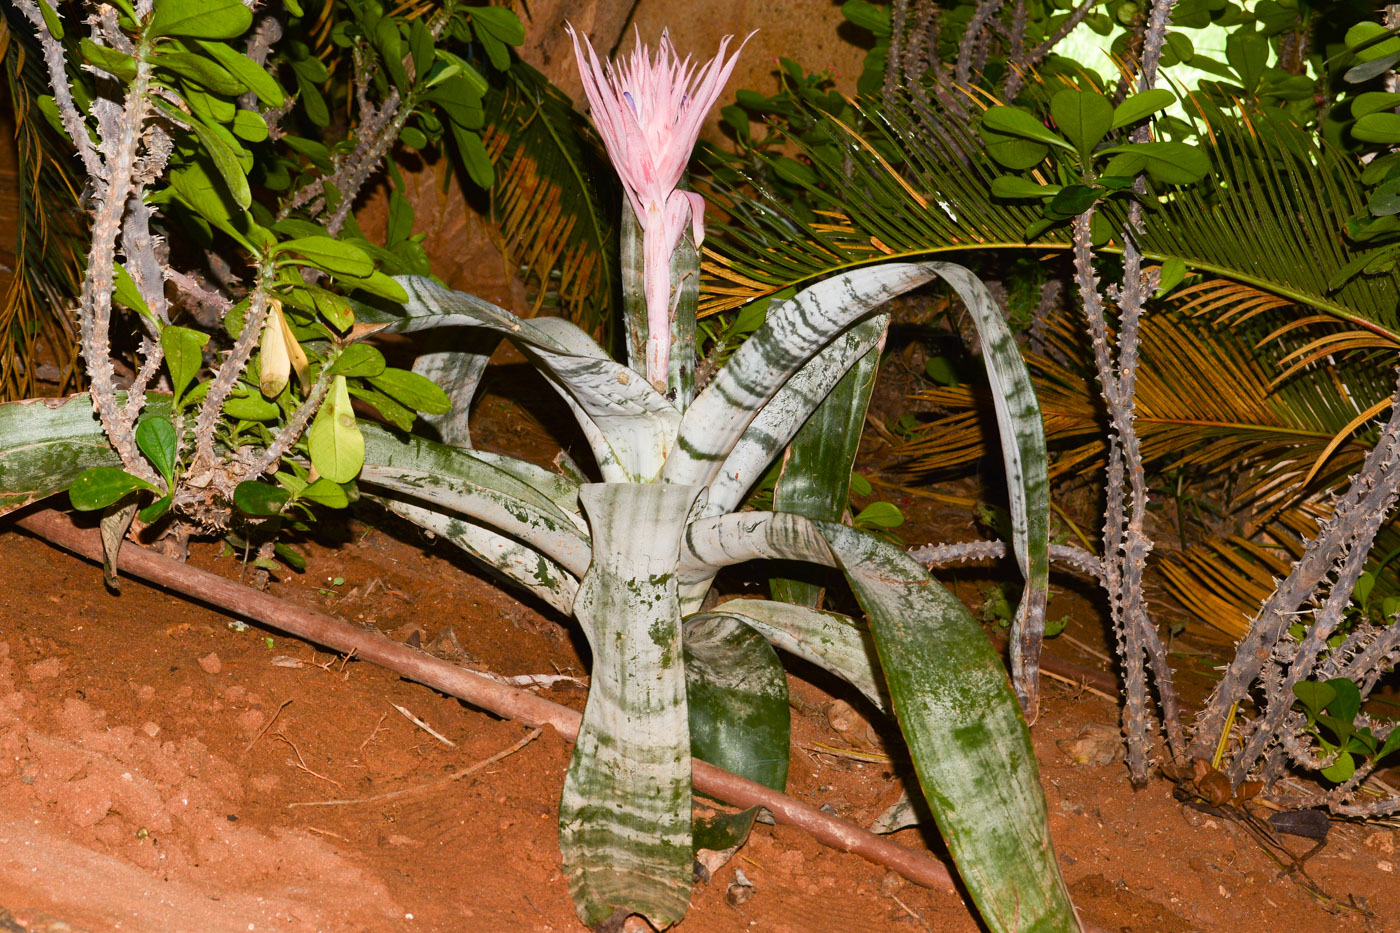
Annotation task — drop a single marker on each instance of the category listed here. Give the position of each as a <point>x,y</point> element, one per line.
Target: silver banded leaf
<point>385,448</point>
<point>543,528</point>
<point>624,817</point>
<point>959,716</point>
<point>46,443</point>
<point>629,424</point>
<point>457,372</point>
<point>502,556</point>
<point>793,405</point>
<point>815,481</point>
<point>1027,481</point>
<point>793,332</point>
<point>830,640</point>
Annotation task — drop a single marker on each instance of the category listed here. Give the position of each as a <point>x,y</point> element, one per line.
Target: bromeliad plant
<point>633,558</point>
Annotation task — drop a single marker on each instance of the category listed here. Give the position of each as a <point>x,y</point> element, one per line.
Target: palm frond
<point>1270,217</point>
<point>555,200</point>
<point>42,283</point>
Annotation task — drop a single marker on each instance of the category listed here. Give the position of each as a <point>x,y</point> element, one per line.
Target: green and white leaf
<point>629,425</point>
<point>625,814</point>
<point>505,557</point>
<point>830,640</point>
<point>782,418</point>
<point>815,481</point>
<point>960,719</point>
<point>792,333</point>
<point>46,443</point>
<point>1022,436</point>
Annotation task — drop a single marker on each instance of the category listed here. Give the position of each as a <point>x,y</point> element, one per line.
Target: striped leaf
<point>624,817</point>
<point>793,332</point>
<point>502,556</point>
<point>477,494</point>
<point>628,424</point>
<point>830,640</point>
<point>46,443</point>
<point>816,477</point>
<point>959,716</point>
<point>1027,482</point>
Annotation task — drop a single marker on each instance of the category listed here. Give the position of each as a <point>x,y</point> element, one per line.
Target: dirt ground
<point>164,769</point>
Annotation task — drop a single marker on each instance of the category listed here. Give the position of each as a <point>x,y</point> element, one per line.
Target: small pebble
<point>151,729</point>
<point>211,663</point>
<point>1385,866</point>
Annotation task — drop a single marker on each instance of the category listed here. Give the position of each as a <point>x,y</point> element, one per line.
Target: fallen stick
<point>227,596</point>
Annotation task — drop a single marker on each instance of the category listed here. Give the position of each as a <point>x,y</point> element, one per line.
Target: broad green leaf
<point>197,188</point>
<point>117,64</point>
<point>1014,186</point>
<point>1166,162</point>
<point>258,81</point>
<point>1373,102</point>
<point>359,360</point>
<point>1085,117</point>
<point>625,813</point>
<point>225,161</point>
<point>330,255</point>
<point>156,509</point>
<point>1014,152</point>
<point>125,291</point>
<point>499,22</point>
<point>251,408</point>
<point>336,309</point>
<point>879,515</point>
<point>1141,105</point>
<point>51,21</point>
<point>380,285</point>
<point>474,156</point>
<point>99,487</point>
<point>1173,271</point>
<point>1347,702</point>
<point>259,499</point>
<point>1314,696</point>
<point>201,70</point>
<point>155,435</point>
<point>324,492</point>
<point>250,126</point>
<point>184,355</point>
<point>200,19</point>
<point>1371,41</point>
<point>867,16</point>
<point>417,392</point>
<point>1013,121</point>
<point>1383,127</point>
<point>1248,54</point>
<point>335,443</point>
<point>737,693</point>
<point>1341,770</point>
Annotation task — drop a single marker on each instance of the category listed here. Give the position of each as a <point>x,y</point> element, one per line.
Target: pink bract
<point>649,112</point>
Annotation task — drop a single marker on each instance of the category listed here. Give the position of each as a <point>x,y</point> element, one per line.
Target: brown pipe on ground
<point>228,596</point>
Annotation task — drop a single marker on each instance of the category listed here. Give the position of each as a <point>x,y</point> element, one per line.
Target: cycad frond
<point>48,239</point>
<point>555,200</point>
<point>1271,216</point>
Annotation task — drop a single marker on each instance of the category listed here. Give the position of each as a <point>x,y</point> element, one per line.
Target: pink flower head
<point>649,113</point>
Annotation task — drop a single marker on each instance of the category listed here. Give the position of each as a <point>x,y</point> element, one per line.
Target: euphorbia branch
<point>206,423</point>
